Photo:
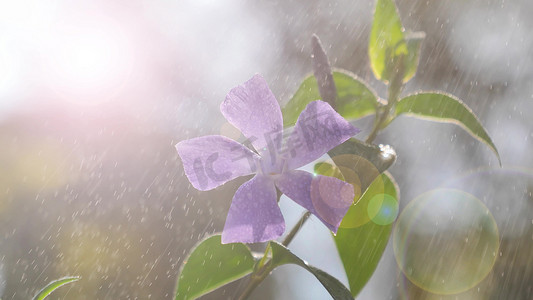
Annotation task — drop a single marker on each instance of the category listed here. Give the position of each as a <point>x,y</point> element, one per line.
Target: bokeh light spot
<point>446,241</point>
<point>383,209</point>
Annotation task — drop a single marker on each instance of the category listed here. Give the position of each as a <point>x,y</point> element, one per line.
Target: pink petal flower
<point>254,215</point>
<point>254,110</point>
<point>212,160</point>
<point>319,129</point>
<point>327,198</point>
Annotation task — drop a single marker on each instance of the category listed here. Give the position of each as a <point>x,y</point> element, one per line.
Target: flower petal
<point>254,215</point>
<point>212,160</point>
<point>319,129</point>
<point>328,198</point>
<point>254,110</point>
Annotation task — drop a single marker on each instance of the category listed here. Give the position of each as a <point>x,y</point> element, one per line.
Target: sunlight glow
<point>9,72</point>
<point>90,62</point>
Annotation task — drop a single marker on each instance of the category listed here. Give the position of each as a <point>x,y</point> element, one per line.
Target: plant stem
<point>263,260</point>
<point>395,87</point>
<point>255,279</point>
<point>265,268</point>
<point>296,228</point>
<point>377,123</point>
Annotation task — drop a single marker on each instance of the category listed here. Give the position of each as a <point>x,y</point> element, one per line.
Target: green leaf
<point>365,230</point>
<point>386,40</point>
<point>414,41</point>
<point>282,256</point>
<point>445,108</point>
<point>327,169</point>
<point>211,265</point>
<point>354,98</point>
<point>52,286</point>
<point>359,164</point>
<point>378,157</point>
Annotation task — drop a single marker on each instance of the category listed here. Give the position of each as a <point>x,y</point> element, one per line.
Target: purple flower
<point>254,215</point>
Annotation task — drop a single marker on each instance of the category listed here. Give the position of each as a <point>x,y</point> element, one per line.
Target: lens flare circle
<point>383,209</point>
<point>505,191</point>
<point>446,241</point>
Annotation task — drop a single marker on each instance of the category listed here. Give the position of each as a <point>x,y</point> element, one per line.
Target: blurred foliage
<point>52,286</point>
